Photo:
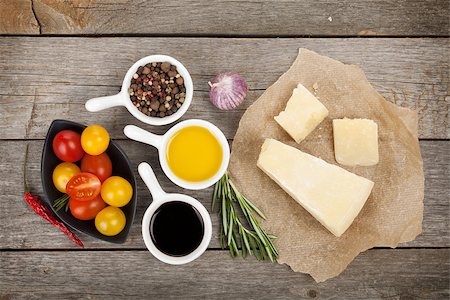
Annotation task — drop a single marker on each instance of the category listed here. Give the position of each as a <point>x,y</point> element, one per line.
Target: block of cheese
<point>331,194</point>
<point>302,114</point>
<point>355,142</point>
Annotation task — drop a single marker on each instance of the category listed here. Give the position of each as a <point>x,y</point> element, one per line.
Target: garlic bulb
<point>227,90</point>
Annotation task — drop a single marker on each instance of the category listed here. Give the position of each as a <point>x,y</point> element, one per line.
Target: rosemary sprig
<point>233,233</point>
<point>61,202</point>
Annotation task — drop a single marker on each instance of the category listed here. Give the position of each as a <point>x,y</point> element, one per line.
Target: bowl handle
<point>143,136</point>
<point>149,178</point>
<point>101,103</point>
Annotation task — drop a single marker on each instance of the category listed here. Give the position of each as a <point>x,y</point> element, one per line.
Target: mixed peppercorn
<point>157,89</point>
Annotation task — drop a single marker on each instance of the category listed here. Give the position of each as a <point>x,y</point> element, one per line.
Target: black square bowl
<point>121,166</point>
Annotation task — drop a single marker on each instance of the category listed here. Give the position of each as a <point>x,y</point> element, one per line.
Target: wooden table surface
<point>54,55</point>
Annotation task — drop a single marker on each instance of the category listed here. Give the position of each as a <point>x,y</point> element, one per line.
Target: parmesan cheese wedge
<point>355,142</point>
<point>331,194</point>
<point>302,114</point>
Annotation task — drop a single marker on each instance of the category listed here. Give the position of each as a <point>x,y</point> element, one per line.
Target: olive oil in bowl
<point>194,154</point>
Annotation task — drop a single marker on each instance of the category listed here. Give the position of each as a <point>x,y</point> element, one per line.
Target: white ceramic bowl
<point>160,142</point>
<point>123,98</point>
<point>159,198</point>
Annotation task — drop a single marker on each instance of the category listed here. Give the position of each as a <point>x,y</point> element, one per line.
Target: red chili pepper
<point>36,204</point>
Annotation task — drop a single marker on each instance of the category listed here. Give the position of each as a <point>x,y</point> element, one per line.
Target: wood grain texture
<point>258,17</point>
<point>17,17</point>
<point>20,228</point>
<point>376,274</point>
<point>46,78</point>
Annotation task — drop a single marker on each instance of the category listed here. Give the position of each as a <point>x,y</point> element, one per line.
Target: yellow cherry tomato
<point>110,221</point>
<point>116,191</point>
<point>95,140</point>
<point>63,173</point>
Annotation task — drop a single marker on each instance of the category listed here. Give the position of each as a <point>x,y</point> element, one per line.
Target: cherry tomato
<point>86,210</point>
<point>63,173</point>
<point>67,146</point>
<point>95,139</point>
<point>116,191</point>
<point>99,165</point>
<point>110,221</point>
<point>83,187</point>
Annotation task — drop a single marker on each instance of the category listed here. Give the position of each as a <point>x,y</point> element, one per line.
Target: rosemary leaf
<point>252,206</point>
<point>214,198</point>
<point>246,201</point>
<point>252,240</point>
<point>261,249</point>
<point>231,225</point>
<point>233,246</point>
<point>246,244</point>
<point>224,216</point>
<point>222,238</point>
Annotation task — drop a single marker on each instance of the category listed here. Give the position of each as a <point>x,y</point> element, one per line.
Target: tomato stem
<point>61,202</point>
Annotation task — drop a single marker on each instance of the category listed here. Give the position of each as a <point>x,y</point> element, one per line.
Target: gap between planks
<point>248,18</point>
<point>226,36</point>
<point>229,140</point>
<point>144,249</point>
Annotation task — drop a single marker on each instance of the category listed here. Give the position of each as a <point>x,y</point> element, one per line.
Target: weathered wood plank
<point>17,17</point>
<point>20,228</point>
<point>376,274</point>
<point>259,17</point>
<point>46,78</point>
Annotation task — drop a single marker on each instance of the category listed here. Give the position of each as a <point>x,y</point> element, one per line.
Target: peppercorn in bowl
<point>156,90</point>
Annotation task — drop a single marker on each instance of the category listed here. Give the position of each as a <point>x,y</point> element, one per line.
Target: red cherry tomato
<point>83,187</point>
<point>67,146</point>
<point>86,210</point>
<point>99,165</point>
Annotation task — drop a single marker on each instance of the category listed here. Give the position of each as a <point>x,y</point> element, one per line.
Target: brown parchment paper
<point>394,211</point>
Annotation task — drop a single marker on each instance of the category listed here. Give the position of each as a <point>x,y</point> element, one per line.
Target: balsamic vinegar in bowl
<point>176,228</point>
